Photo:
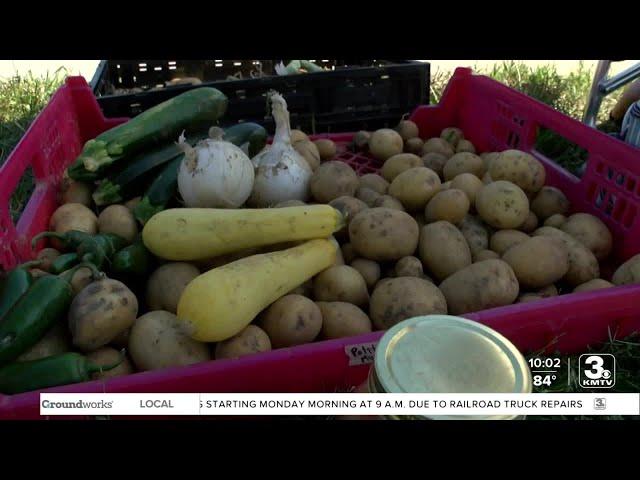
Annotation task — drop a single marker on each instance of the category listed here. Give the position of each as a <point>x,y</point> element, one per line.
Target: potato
<point>340,284</point>
<point>80,279</point>
<point>289,203</point>
<point>438,145</point>
<point>349,207</point>
<point>119,220</point>
<point>47,256</point>
<point>548,291</point>
<point>519,168</point>
<point>415,187</point>
<point>529,297</point>
<point>397,299</point>
<point>487,158</point>
<point>409,267</point>
<point>383,234</point>
<point>298,136</point>
<point>292,320</point>
<point>361,140</point>
<point>464,162</point>
<point>157,341</point>
<point>385,143</point>
<point>75,192</point>
<point>469,184</point>
<point>332,238</point>
<point>367,195</point>
<point>503,240</point>
<point>387,201</point>
<point>309,152</point>
<point>591,285</point>
<point>107,356</point>
<point>556,220</point>
<point>482,285</point>
<point>475,233</point>
<point>54,342</point>
<point>122,339</point>
<point>133,203</point>
<point>436,162</point>
<point>166,283</point>
<point>101,311</point>
<point>550,201</point>
<point>37,273</point>
<point>452,135</point>
<point>583,265</point>
<point>530,224</point>
<point>397,164</point>
<point>465,146</point>
<point>413,145</point>
<point>481,255</point>
<point>369,270</point>
<point>72,216</point>
<point>407,129</point>
<point>332,180</point>
<point>340,320</point>
<point>538,261</point>
<point>249,341</point>
<point>326,148</point>
<point>443,249</point>
<point>628,272</point>
<point>450,205</point>
<point>591,232</point>
<point>374,182</point>
<point>502,204</point>
<point>348,252</point>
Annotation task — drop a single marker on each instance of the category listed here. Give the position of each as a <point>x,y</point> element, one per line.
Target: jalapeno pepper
<point>46,301</point>
<point>61,369</point>
<point>15,285</point>
<point>100,248</point>
<point>64,262</point>
<point>132,260</point>
<point>71,239</point>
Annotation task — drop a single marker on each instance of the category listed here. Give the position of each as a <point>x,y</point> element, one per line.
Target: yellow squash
<point>221,302</point>
<point>201,233</point>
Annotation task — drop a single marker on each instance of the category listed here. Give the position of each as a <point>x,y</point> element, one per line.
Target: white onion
<point>214,173</point>
<point>281,173</point>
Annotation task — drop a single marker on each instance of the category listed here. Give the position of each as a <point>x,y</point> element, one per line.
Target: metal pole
<point>595,95</point>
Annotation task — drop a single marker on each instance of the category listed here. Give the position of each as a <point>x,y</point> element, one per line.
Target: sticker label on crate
<point>361,353</point>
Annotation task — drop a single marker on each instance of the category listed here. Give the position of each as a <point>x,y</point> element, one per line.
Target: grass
<point>21,99</point>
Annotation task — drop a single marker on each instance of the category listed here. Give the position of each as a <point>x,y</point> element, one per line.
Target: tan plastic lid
<point>447,354</point>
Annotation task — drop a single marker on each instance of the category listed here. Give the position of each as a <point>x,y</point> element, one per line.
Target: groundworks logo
<point>597,371</point>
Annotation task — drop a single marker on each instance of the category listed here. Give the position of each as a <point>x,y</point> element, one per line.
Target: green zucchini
<point>130,179</point>
<point>164,186</point>
<point>204,105</point>
<point>252,133</point>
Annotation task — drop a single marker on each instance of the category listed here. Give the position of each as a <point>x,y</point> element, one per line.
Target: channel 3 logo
<point>597,371</point>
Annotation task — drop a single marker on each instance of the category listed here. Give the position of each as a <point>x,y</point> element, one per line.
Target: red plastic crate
<point>492,116</point>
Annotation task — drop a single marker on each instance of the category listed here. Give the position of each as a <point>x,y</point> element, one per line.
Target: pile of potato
<point>442,229</point>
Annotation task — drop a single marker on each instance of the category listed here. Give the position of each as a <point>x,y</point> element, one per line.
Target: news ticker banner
<point>337,404</point>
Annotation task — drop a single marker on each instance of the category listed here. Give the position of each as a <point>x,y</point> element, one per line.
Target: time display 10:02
<point>544,362</point>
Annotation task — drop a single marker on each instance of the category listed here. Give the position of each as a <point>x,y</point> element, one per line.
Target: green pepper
<point>134,259</point>
<point>46,301</point>
<point>63,263</point>
<point>61,369</point>
<point>15,285</point>
<point>71,239</point>
<point>100,248</point>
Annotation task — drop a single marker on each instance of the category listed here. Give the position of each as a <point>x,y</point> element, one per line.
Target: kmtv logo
<point>597,371</point>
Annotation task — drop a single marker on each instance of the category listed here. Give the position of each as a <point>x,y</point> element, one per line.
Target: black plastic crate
<point>357,94</point>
